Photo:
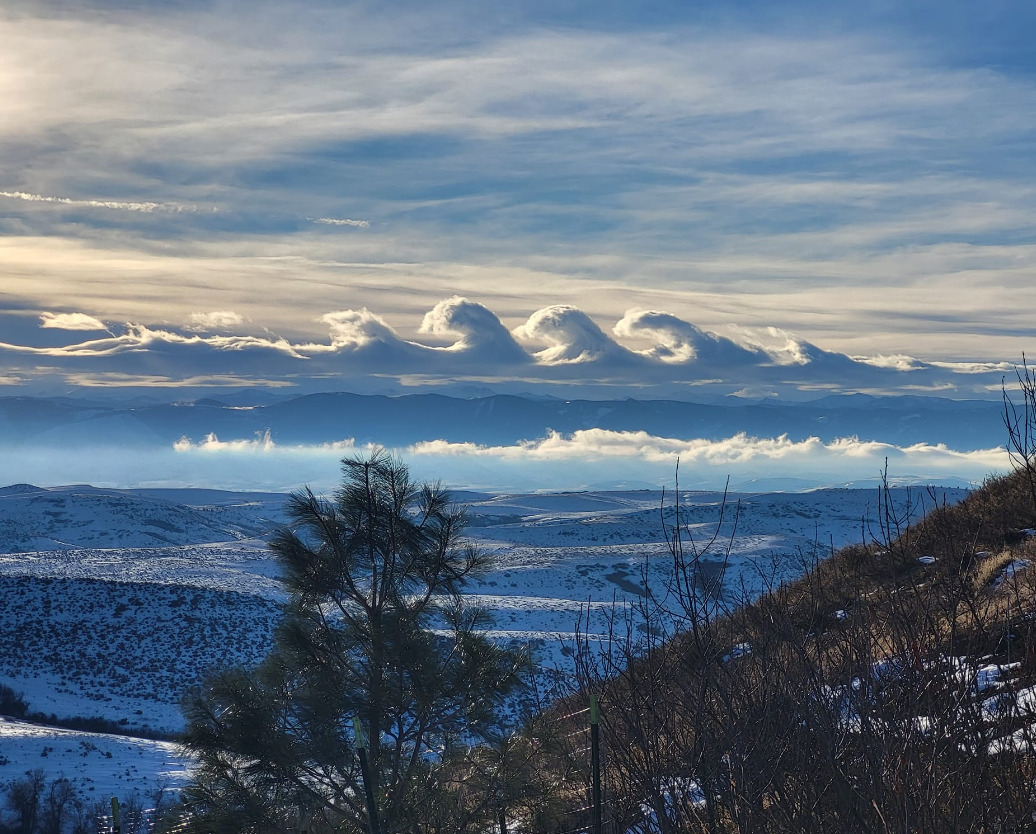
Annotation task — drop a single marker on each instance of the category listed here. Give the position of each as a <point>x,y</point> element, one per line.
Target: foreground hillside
<point>892,687</point>
<point>885,679</point>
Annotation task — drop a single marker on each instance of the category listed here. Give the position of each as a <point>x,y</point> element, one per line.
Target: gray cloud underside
<point>651,352</point>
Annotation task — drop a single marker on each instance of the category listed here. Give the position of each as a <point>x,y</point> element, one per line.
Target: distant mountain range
<point>497,419</point>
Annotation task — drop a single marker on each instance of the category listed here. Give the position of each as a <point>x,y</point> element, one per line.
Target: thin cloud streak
<point>335,221</point>
<point>119,205</point>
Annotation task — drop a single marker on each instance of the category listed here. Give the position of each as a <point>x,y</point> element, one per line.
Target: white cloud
<point>897,362</point>
<point>477,326</point>
<point>71,321</point>
<point>344,221</point>
<point>219,98</point>
<point>597,457</point>
<point>263,444</point>
<point>589,459</point>
<point>356,329</point>
<point>216,320</point>
<point>573,337</point>
<point>119,205</point>
<point>736,451</point>
<point>115,380</point>
<point>782,347</point>
<point>677,341</point>
<point>364,351</point>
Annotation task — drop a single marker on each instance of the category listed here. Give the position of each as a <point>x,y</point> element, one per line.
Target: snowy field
<point>116,602</point>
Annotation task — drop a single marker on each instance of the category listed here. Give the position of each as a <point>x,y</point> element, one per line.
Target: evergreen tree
<point>374,629</point>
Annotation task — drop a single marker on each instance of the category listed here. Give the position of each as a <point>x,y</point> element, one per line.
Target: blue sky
<point>657,199</point>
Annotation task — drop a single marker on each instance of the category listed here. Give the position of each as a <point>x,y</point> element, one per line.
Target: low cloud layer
<point>583,460</point>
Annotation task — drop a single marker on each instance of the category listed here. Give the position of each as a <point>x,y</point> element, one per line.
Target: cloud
<point>118,205</point>
<point>597,457</point>
<point>804,362</point>
<point>678,341</point>
<point>216,320</point>
<point>263,444</point>
<point>736,451</point>
<point>668,357</point>
<point>143,352</point>
<point>897,362</point>
<point>115,381</point>
<point>358,329</point>
<point>585,459</point>
<point>782,347</point>
<point>573,337</point>
<point>335,221</point>
<point>71,321</point>
<point>481,332</point>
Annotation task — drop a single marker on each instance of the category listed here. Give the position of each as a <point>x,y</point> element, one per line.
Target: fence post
<point>595,761</point>
<point>365,772</point>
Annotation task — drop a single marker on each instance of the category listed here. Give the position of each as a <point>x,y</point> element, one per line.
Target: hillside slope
<point>33,518</point>
<point>890,687</point>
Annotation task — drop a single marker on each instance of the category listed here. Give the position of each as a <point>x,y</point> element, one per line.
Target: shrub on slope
<point>891,687</point>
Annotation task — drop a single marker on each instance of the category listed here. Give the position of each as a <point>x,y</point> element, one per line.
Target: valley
<point>116,602</point>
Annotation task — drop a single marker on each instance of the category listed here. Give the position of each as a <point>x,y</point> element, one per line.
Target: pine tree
<point>375,628</point>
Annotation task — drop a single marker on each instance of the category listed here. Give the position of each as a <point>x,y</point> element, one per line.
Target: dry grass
<point>989,569</point>
<point>863,607</point>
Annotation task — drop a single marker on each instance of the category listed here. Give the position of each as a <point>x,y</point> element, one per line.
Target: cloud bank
<point>559,349</point>
<point>592,459</point>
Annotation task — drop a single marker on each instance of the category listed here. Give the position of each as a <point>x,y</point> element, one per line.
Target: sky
<point>608,199</point>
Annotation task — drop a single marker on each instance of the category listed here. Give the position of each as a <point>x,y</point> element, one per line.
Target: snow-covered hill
<point>136,594</point>
<point>98,765</point>
<point>33,518</point>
